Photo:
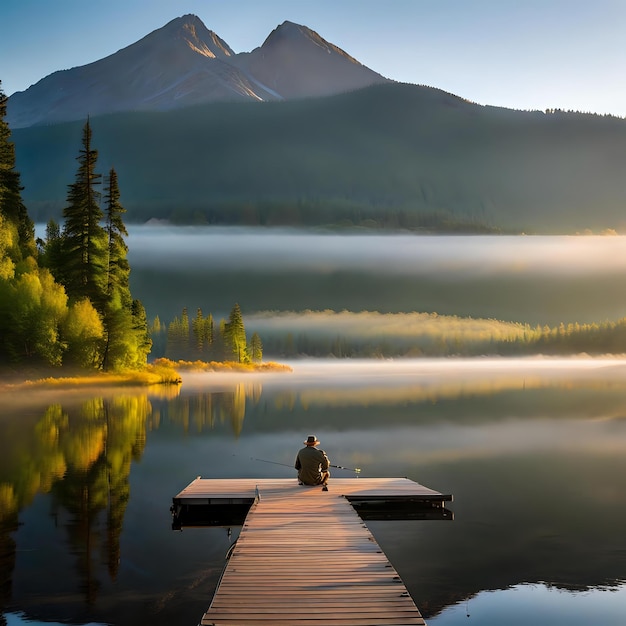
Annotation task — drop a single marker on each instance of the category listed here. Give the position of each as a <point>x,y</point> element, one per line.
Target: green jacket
<point>310,464</point>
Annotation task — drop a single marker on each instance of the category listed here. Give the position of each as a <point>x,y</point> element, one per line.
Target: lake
<point>533,450</point>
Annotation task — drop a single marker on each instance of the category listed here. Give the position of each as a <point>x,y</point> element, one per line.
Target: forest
<point>388,157</point>
<point>65,300</point>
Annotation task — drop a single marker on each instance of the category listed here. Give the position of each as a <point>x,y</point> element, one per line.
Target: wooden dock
<point>305,557</point>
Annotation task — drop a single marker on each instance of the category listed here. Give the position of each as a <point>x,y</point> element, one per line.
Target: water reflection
<point>537,604</point>
<point>534,452</point>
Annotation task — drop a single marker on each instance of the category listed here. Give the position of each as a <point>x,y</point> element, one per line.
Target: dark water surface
<point>534,452</point>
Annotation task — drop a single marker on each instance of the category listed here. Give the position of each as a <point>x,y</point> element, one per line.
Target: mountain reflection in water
<point>533,450</point>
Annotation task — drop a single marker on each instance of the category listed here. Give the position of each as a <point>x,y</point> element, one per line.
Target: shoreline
<point>161,372</point>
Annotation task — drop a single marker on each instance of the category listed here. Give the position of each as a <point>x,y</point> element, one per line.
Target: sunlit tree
<point>32,312</point>
<point>84,332</point>
<point>236,346</point>
<point>118,268</point>
<point>197,330</point>
<point>127,340</point>
<point>11,204</point>
<point>256,348</point>
<point>84,259</point>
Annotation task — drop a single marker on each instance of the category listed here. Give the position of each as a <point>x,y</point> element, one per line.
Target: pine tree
<point>141,332</point>
<point>173,341</point>
<point>184,335</point>
<point>197,329</point>
<point>118,268</point>
<point>11,205</point>
<point>127,340</point>
<point>51,250</point>
<point>84,265</point>
<point>256,348</point>
<point>236,348</point>
<point>209,337</point>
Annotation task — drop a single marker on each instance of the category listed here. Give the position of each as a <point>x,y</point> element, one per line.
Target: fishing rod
<point>356,470</point>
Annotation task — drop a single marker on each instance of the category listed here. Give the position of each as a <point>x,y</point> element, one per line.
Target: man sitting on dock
<point>312,464</point>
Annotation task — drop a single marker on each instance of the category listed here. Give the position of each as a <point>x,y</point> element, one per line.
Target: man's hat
<point>311,440</point>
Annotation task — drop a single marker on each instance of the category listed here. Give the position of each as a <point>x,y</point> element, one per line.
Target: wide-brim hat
<point>311,440</point>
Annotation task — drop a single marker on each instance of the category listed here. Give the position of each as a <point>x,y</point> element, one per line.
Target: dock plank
<point>304,556</point>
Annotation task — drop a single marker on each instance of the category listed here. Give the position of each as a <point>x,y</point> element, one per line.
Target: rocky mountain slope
<point>184,64</point>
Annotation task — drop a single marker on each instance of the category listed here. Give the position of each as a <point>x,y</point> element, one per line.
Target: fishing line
<point>356,470</point>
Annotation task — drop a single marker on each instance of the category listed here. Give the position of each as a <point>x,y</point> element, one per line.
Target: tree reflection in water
<point>533,455</point>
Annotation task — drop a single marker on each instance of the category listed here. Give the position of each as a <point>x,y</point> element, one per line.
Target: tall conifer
<point>118,268</point>
<point>11,205</point>
<point>84,239</point>
<point>235,337</point>
<point>127,341</point>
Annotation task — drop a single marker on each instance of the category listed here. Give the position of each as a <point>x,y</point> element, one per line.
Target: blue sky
<point>522,54</point>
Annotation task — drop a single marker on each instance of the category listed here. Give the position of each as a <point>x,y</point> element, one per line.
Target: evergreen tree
<point>84,263</point>
<point>141,332</point>
<point>118,268</point>
<point>209,337</point>
<point>202,333</point>
<point>184,335</point>
<point>11,205</point>
<point>236,347</point>
<point>51,250</point>
<point>158,337</point>
<point>219,345</point>
<point>173,347</point>
<point>126,328</point>
<point>197,329</point>
<point>256,348</point>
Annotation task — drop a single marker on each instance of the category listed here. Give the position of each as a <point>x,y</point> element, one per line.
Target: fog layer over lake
<point>534,279</point>
<point>454,255</point>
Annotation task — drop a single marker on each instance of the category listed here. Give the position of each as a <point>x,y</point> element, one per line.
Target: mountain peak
<point>191,29</point>
<point>296,62</point>
<point>290,33</point>
<point>184,63</point>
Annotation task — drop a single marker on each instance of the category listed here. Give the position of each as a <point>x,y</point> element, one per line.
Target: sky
<point>519,54</point>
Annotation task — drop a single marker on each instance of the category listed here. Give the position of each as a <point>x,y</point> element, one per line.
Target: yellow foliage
<point>8,501</point>
<point>83,448</point>
<point>7,238</point>
<point>222,366</point>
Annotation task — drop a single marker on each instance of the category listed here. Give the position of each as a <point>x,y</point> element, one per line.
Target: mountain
<point>391,155</point>
<point>296,62</point>
<point>178,116</point>
<point>183,64</point>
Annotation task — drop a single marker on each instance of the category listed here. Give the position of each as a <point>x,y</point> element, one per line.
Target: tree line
<point>201,339</point>
<point>65,299</point>
<point>445,341</point>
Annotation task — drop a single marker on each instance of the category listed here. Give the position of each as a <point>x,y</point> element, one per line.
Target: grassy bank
<point>221,366</point>
<point>160,372</point>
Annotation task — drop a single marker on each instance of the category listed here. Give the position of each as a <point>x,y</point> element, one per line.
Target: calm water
<point>534,452</point>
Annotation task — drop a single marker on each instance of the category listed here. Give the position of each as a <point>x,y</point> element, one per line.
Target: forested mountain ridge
<point>390,155</point>
<point>297,132</point>
<point>184,64</point>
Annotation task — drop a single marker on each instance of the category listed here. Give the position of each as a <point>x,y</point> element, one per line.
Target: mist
<point>359,377</point>
<point>525,279</point>
<point>257,250</point>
